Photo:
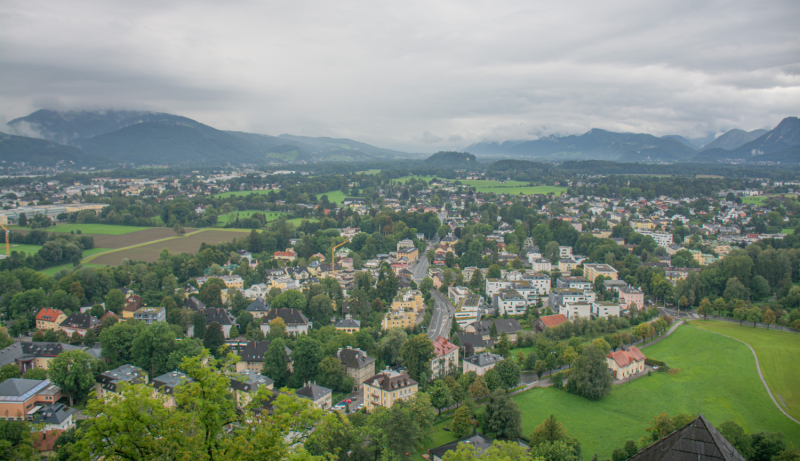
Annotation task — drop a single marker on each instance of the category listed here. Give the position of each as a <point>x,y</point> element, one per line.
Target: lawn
<point>787,230</point>
<point>51,271</point>
<point>373,171</point>
<point>230,217</point>
<point>778,355</point>
<point>102,229</point>
<point>242,193</point>
<point>24,248</point>
<point>717,377</point>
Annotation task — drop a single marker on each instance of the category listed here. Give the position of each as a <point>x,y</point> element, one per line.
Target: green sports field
<point>102,229</point>
<point>231,217</point>
<point>778,355</point>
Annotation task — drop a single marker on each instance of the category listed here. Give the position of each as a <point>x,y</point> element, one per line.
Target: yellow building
<point>591,271</point>
<point>348,325</point>
<point>625,363</point>
<point>387,387</point>
<point>648,225</point>
<point>601,233</point>
<point>398,320</point>
<point>566,265</point>
<point>412,254</point>
<point>50,319</point>
<point>408,300</point>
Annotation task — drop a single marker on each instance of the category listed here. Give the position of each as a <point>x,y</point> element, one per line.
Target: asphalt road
<point>442,316</point>
<point>420,268</point>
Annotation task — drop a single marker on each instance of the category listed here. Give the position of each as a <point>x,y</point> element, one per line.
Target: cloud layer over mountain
<point>415,76</point>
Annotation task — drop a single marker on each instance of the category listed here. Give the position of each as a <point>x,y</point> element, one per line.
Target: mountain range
<point>778,145</point>
<point>147,138</point>
<point>99,138</point>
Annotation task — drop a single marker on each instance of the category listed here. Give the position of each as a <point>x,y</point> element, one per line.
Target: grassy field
<point>717,377</point>
<point>51,271</point>
<point>101,229</point>
<point>23,248</point>
<point>778,355</point>
<point>231,217</point>
<point>242,193</point>
<point>787,230</point>
<point>373,171</point>
<point>753,200</point>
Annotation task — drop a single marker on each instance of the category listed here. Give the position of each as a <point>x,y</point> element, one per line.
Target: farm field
<point>134,238</point>
<point>189,243</point>
<point>231,217</point>
<point>717,377</point>
<point>778,354</point>
<point>100,229</point>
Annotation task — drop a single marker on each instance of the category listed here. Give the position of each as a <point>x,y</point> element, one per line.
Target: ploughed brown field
<point>150,252</point>
<point>134,238</point>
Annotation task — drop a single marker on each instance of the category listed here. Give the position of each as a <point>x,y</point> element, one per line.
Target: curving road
<point>442,317</point>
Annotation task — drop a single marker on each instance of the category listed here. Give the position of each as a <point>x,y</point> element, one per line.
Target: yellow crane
<point>8,247</point>
<point>333,255</point>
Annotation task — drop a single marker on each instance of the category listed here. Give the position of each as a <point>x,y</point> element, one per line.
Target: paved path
<point>760,375</point>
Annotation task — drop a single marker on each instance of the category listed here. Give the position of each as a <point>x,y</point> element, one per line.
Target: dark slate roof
<point>259,305</point>
<point>167,382</point>
<point>390,381</point>
<point>219,315</point>
<point>484,359</point>
<point>473,338</point>
<point>477,440</point>
<point>124,374</point>
<point>289,316</point>
<point>30,350</point>
<point>17,387</point>
<point>80,321</point>
<point>347,323</point>
<point>354,358</point>
<point>53,414</point>
<point>254,351</point>
<point>697,441</point>
<point>249,381</point>
<point>313,392</point>
<point>194,304</point>
<point>510,326</point>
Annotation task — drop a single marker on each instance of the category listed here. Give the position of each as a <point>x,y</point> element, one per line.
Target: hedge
<point>656,363</point>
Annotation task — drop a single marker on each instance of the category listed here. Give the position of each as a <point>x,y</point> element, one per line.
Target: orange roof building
<point>549,321</point>
<point>50,319</point>
<point>445,357</point>
<point>625,362</point>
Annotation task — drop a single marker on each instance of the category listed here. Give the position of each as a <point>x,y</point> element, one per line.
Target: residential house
<point>247,383</point>
<point>387,387</point>
<point>565,266</point>
<point>321,397</point>
<point>231,281</point>
<point>510,326</point>
<point>542,265</point>
<point>108,383</point>
<point>576,310</point>
<point>259,290</point>
<point>629,296</point>
<point>222,316</point>
<point>481,363</point>
<point>445,357</point>
<point>80,323</point>
<point>50,319</point>
<point>167,383</point>
<point>357,364</point>
<point>193,304</point>
<point>625,362</point>
<point>296,322</point>
<point>132,304</point>
<point>509,302</point>
<point>287,255</point>
<point>698,441</point>
<point>150,315</point>
<point>19,396</point>
<point>252,356</point>
<point>52,417</point>
<point>29,355</point>
<point>258,308</point>
<point>591,271</point>
<point>605,309</point>
<point>348,325</point>
<point>548,321</point>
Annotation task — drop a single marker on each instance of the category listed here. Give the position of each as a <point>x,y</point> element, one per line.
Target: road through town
<point>442,316</point>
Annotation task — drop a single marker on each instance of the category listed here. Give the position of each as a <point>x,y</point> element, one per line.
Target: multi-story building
<point>575,310</point>
<point>542,265</point>
<point>357,364</point>
<point>509,302</point>
<point>108,383</point>
<point>663,239</point>
<point>222,316</point>
<point>576,283</point>
<point>252,356</point>
<point>150,315</point>
<point>493,286</point>
<point>247,384</point>
<point>387,387</point>
<point>591,271</point>
<point>481,363</point>
<point>483,328</point>
<point>398,319</point>
<point>445,357</point>
<point>132,304</point>
<point>605,309</point>
<point>231,281</point>
<point>320,397</point>
<point>564,252</point>
<point>166,384</point>
<point>408,300</point>
<point>565,266</point>
<point>624,363</point>
<point>348,325</point>
<point>411,254</point>
<point>560,296</point>
<point>539,282</point>
<point>19,396</point>
<point>29,355</point>
<point>468,309</point>
<point>80,323</point>
<point>629,295</point>
<point>50,319</point>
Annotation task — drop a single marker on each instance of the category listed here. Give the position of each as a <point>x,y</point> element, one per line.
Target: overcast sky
<point>410,75</point>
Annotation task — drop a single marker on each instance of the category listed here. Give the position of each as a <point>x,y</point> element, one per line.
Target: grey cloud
<point>455,138</point>
<point>382,73</point>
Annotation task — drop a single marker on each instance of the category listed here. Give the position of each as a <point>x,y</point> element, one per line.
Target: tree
<point>320,309</point>
<point>768,317</point>
<point>549,431</point>
<point>494,272</point>
<point>306,356</point>
<point>734,434</point>
<point>211,293</point>
<point>602,344</point>
<point>214,338</point>
<point>335,436</point>
<point>9,371</point>
<point>754,315</point>
<point>184,349</point>
<point>509,373</point>
<point>234,332</point>
<point>90,338</point>
<point>178,229</point>
<point>644,331</point>
<point>22,219</point>
<point>97,311</point>
<point>589,377</point>
<point>332,375</point>
<point>569,356</point>
<point>15,440</point>
<point>35,373</point>
<point>76,339</point>
<point>501,417</point>
<point>205,423</point>
<point>556,451</point>
<point>275,365</point>
<point>493,380</point>
<point>766,446</point>
<point>50,336</point>
<point>199,323</point>
<point>417,353</point>
<point>499,451</point>
<point>734,289</point>
<point>440,395</point>
<point>463,422</point>
<point>74,372</point>
<point>151,348</point>
<point>493,331</point>
<point>705,307</point>
<point>37,336</point>
<point>277,328</point>
<point>504,345</point>
<point>719,305</point>
<point>479,389</point>
<point>290,299</point>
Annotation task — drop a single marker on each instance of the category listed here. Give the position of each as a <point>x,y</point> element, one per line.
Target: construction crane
<point>8,247</point>
<point>333,255</point>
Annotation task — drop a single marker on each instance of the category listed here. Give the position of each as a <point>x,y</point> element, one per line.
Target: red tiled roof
<point>442,346</point>
<point>551,321</point>
<point>48,315</point>
<point>624,358</point>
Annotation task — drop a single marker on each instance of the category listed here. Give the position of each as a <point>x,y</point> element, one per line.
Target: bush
<point>662,367</point>
<point>558,380</point>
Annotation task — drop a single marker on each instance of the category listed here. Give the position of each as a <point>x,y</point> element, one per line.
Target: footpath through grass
<point>778,354</point>
<point>717,377</point>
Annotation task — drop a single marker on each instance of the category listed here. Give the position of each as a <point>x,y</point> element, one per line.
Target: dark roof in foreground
<point>477,440</point>
<point>697,441</point>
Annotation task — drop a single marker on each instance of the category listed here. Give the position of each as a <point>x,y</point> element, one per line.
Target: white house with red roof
<point>445,357</point>
<point>624,363</point>
<point>50,319</point>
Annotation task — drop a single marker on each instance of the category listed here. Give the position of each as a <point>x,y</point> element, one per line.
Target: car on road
<point>348,401</point>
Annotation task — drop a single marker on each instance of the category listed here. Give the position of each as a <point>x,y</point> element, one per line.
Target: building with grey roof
<point>57,416</point>
<point>28,355</point>
<point>357,364</point>
<point>320,396</point>
<point>481,363</point>
<point>108,382</point>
